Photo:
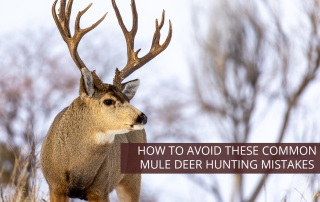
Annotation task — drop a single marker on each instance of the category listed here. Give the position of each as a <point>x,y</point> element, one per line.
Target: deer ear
<point>130,88</point>
<point>86,83</point>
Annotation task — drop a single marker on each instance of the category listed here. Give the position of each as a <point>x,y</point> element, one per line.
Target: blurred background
<point>236,71</point>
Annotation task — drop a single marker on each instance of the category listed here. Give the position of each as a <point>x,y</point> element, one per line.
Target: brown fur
<point>75,164</point>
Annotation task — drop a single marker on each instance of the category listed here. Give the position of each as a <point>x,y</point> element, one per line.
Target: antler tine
<point>134,62</point>
<point>63,26</point>
<point>162,20</point>
<point>65,16</point>
<point>68,14</point>
<point>129,36</point>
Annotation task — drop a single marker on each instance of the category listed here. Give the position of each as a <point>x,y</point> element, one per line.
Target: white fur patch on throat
<point>137,127</point>
<point>103,138</point>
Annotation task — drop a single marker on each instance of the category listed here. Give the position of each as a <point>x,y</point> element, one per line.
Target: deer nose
<point>142,118</point>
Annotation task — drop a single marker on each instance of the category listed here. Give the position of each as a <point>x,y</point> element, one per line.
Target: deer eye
<point>108,102</point>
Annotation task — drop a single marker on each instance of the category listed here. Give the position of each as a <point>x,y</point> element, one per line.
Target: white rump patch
<point>108,137</point>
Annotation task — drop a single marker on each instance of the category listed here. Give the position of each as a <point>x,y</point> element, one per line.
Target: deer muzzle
<point>142,119</point>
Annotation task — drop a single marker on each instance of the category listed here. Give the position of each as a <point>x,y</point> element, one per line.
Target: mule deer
<point>80,157</point>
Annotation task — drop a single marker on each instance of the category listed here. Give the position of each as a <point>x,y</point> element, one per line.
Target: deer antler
<point>63,26</point>
<point>134,62</point>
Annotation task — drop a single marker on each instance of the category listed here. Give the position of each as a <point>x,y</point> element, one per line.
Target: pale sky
<point>17,15</point>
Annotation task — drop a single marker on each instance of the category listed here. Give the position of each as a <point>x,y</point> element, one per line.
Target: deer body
<point>80,157</point>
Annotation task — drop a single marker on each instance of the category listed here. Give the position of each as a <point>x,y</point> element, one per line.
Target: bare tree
<point>247,56</point>
<point>23,93</point>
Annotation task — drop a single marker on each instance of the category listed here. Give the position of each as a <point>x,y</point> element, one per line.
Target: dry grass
<point>24,184</point>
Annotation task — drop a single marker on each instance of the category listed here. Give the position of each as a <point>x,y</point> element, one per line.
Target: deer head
<point>115,97</point>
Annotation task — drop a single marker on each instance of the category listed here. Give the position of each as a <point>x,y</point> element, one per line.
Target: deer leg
<point>55,197</point>
<point>128,190</point>
<point>95,196</point>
